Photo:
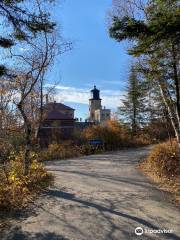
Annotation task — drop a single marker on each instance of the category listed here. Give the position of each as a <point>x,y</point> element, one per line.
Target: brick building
<point>58,123</point>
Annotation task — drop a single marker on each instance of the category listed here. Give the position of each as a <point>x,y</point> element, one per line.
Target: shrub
<point>158,130</point>
<point>165,159</point>
<point>11,143</point>
<point>112,133</point>
<point>5,150</point>
<point>66,150</point>
<point>17,141</point>
<point>142,140</point>
<point>87,149</point>
<point>163,166</point>
<point>59,151</point>
<point>16,190</point>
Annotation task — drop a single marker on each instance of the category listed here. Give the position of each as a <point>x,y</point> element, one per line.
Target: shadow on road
<point>71,197</point>
<point>106,177</point>
<point>17,234</point>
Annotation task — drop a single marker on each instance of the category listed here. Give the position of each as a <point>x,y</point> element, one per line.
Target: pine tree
<point>134,108</point>
<point>22,22</point>
<point>156,38</point>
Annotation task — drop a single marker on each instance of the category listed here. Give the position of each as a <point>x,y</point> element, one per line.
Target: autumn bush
<point>142,140</point>
<point>87,149</point>
<point>66,150</point>
<point>16,190</point>
<point>112,133</point>
<point>165,159</point>
<point>57,151</point>
<point>158,130</point>
<point>12,143</point>
<point>17,140</point>
<point>163,165</point>
<point>5,149</point>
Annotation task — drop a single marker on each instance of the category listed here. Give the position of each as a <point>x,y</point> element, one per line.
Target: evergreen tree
<point>22,20</point>
<point>134,107</point>
<point>156,38</point>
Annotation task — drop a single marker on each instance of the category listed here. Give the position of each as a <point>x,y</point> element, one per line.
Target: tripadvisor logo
<point>139,231</point>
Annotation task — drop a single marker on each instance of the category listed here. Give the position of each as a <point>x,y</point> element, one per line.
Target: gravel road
<point>100,197</point>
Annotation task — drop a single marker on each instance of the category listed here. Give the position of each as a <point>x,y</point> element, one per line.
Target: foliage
<point>155,38</point>
<point>13,142</point>
<point>16,190</point>
<point>57,151</point>
<point>17,140</point>
<point>158,130</point>
<point>163,166</point>
<point>162,24</point>
<point>134,103</point>
<point>5,150</point>
<point>87,149</point>
<point>22,22</point>
<point>164,159</point>
<point>29,31</point>
<point>113,134</point>
<point>142,139</point>
<point>68,149</point>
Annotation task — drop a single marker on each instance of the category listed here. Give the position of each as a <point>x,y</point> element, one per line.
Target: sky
<point>95,59</point>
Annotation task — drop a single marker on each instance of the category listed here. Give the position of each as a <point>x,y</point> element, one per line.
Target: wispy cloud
<point>115,82</point>
<point>110,98</point>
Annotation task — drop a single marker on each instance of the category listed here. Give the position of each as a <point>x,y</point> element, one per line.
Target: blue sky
<point>95,59</point>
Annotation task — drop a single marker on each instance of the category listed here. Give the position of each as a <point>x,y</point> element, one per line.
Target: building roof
<point>55,115</point>
<point>95,94</point>
<point>57,106</point>
<point>95,89</point>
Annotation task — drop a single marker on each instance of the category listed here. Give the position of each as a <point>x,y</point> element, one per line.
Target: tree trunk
<point>27,149</point>
<point>40,116</point>
<point>134,124</point>
<point>170,112</point>
<point>27,139</point>
<point>177,85</point>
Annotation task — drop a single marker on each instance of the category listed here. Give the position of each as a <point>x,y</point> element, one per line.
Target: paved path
<point>100,197</point>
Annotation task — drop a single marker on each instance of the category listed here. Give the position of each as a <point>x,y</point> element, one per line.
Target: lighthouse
<point>94,103</point>
<point>96,112</point>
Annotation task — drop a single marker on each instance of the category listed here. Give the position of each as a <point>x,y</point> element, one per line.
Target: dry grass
<point>65,150</point>
<point>163,167</point>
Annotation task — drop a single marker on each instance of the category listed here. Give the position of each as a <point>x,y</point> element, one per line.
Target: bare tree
<point>38,58</point>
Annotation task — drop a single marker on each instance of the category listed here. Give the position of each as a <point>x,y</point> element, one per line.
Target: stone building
<point>97,113</point>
